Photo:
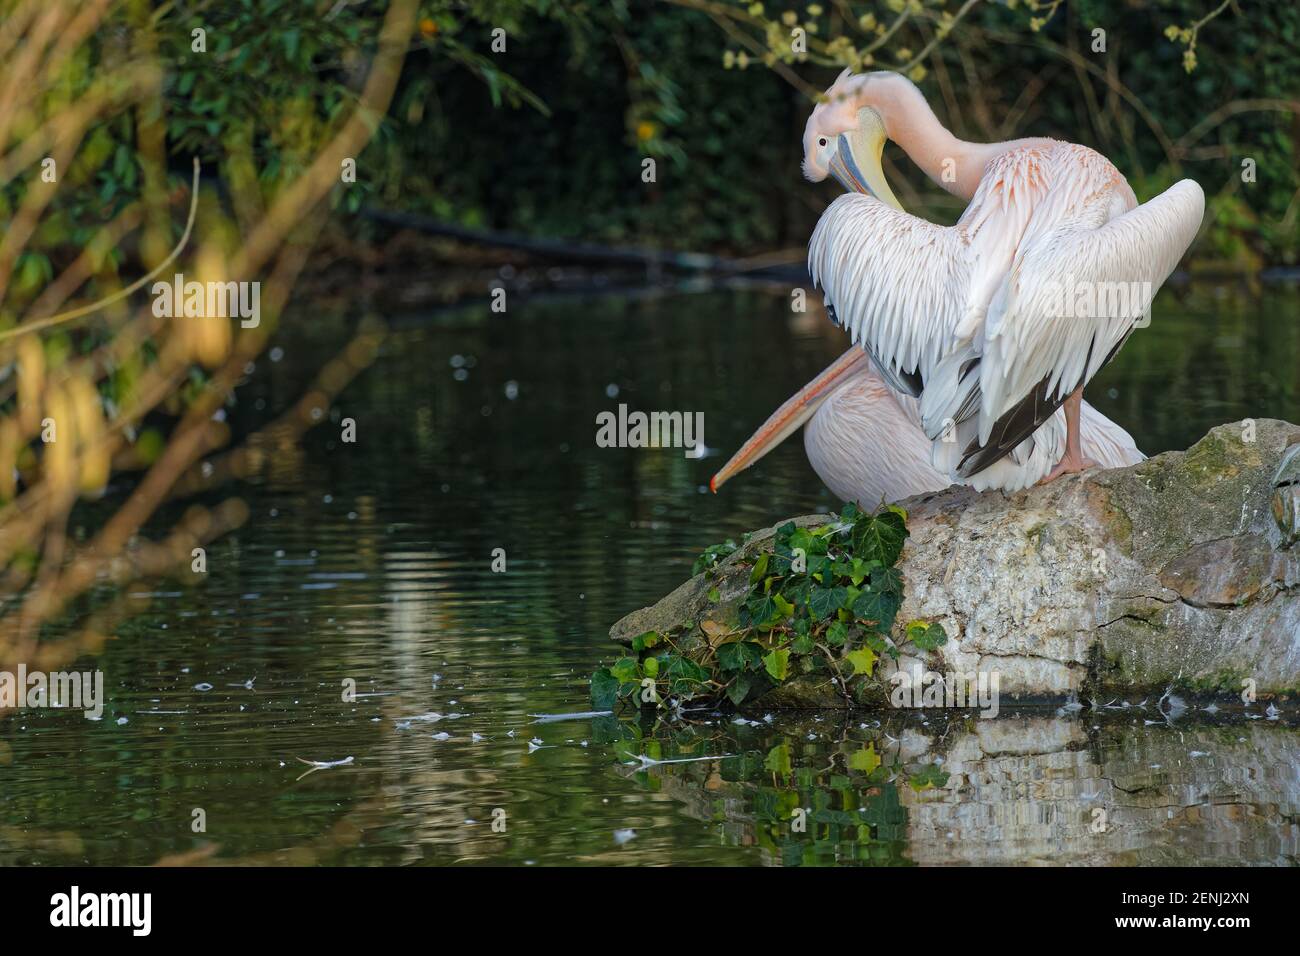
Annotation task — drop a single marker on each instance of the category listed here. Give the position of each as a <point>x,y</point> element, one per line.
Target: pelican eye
<point>822,141</point>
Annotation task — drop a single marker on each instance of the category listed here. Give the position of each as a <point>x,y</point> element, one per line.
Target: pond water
<point>371,562</point>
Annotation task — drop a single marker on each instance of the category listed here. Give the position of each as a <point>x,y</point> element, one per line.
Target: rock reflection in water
<point>1024,789</point>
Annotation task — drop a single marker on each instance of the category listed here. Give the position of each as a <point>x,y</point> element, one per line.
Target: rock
<point>1181,570</point>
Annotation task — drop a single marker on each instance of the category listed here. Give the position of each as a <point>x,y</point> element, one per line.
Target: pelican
<point>981,335</point>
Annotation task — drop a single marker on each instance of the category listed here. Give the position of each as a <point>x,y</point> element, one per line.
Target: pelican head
<point>845,135</point>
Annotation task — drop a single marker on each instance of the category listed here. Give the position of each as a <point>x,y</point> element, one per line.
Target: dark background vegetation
<point>548,137</point>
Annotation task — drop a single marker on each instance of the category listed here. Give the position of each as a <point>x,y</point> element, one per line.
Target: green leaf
<point>740,655</point>
<point>880,538</point>
<point>762,610</point>
<point>778,760</point>
<point>823,602</point>
<point>738,689</point>
<point>643,642</point>
<point>887,579</point>
<point>837,634</point>
<point>863,660</point>
<point>711,555</point>
<point>877,606</point>
<point>760,568</point>
<point>865,759</point>
<point>604,690</point>
<point>651,666</point>
<point>928,777</point>
<point>777,664</point>
<point>797,593</point>
<point>820,567</point>
<point>803,644</point>
<point>681,668</point>
<point>926,637</point>
<point>784,608</point>
<point>625,669</point>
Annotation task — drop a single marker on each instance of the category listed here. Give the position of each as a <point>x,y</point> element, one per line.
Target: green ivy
<point>822,601</point>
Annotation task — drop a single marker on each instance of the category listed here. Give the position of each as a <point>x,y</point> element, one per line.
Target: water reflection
<point>1017,790</point>
<point>368,566</point>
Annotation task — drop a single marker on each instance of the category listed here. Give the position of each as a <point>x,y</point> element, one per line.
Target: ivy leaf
<point>926,637</point>
<point>863,568</point>
<point>803,644</point>
<point>837,634</point>
<point>738,689</point>
<point>823,602</point>
<point>802,540</point>
<point>643,642</point>
<point>877,606</point>
<point>625,669</point>
<point>684,676</point>
<point>880,538</point>
<point>887,579</point>
<point>783,607</point>
<point>863,660</point>
<point>604,690</point>
<point>712,555</point>
<point>777,664</point>
<point>865,759</point>
<point>762,609</point>
<point>778,760</point>
<point>928,777</point>
<point>651,666</point>
<point>760,568</point>
<point>798,593</point>
<point>740,655</point>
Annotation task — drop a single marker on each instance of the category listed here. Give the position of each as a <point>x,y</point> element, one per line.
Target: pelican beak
<point>787,419</point>
<point>856,163</point>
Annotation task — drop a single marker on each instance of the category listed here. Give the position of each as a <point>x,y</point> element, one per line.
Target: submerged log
<point>1180,572</point>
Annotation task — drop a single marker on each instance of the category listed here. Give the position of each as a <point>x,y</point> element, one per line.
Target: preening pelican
<point>995,323</point>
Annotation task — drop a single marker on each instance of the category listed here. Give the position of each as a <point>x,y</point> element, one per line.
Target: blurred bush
<point>98,384</point>
<point>713,91</point>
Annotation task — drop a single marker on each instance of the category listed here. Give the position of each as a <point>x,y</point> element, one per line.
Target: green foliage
<point>711,555</point>
<point>673,87</point>
<point>549,138</point>
<point>822,601</point>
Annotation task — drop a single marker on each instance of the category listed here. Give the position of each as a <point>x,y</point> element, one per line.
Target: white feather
<point>970,307</point>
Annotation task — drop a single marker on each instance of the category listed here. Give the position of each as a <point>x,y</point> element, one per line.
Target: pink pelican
<point>977,333</point>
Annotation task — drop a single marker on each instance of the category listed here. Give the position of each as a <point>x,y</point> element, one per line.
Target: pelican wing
<point>1073,296</point>
<point>896,282</point>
